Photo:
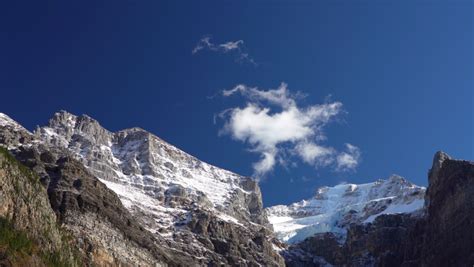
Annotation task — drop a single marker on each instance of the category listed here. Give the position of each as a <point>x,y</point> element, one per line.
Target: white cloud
<point>348,160</point>
<point>204,43</point>
<point>314,154</point>
<point>230,46</point>
<point>279,96</point>
<point>266,163</point>
<point>272,123</point>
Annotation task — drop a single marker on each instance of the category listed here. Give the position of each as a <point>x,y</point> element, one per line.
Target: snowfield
<point>332,209</point>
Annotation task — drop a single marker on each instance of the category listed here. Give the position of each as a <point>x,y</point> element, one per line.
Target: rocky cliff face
<point>130,198</point>
<point>449,228</point>
<point>104,232</point>
<point>136,161</point>
<point>29,233</point>
<point>441,236</point>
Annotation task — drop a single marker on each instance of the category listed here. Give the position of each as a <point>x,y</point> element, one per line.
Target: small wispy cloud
<point>348,160</point>
<point>277,128</point>
<point>236,47</point>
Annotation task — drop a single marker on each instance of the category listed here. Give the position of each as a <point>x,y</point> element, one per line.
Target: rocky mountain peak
<point>433,174</point>
<point>65,128</point>
<point>140,159</point>
<point>394,178</point>
<point>64,121</point>
<point>146,172</point>
<point>199,211</point>
<point>62,118</point>
<point>438,160</point>
<point>333,209</point>
<point>440,156</point>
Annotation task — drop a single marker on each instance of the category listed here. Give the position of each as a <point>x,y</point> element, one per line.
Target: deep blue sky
<point>403,70</point>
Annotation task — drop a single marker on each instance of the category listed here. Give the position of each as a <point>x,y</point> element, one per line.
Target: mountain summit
<point>191,210</point>
<point>73,193</point>
<point>333,209</point>
<point>152,177</point>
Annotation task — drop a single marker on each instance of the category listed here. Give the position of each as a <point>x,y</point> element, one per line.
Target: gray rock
<point>24,203</point>
<point>199,215</point>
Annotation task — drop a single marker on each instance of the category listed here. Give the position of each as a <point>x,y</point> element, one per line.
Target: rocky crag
<point>129,198</point>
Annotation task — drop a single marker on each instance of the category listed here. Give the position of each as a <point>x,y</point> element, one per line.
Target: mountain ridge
<point>176,203</point>
<point>128,197</point>
<point>332,209</point>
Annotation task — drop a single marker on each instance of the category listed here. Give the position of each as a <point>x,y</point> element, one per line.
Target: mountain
<point>131,198</point>
<point>441,235</point>
<point>73,193</point>
<point>333,209</point>
<point>152,177</point>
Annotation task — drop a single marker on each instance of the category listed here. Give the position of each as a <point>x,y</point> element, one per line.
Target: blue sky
<point>403,71</point>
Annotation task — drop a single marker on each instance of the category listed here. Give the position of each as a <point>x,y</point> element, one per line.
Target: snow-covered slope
<point>332,209</point>
<point>15,134</point>
<point>6,121</point>
<point>155,180</point>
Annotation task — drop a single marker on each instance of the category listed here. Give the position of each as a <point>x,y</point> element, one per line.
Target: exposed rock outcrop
<point>25,210</point>
<point>105,232</point>
<point>449,231</point>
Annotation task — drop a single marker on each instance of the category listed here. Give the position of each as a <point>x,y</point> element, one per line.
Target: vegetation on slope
<point>20,245</point>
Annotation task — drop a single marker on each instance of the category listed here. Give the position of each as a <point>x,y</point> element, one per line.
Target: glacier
<point>332,209</point>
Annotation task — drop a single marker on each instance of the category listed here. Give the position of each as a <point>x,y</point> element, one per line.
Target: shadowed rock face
<point>449,232</point>
<point>91,212</point>
<point>385,242</point>
<point>24,208</point>
<point>442,236</point>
